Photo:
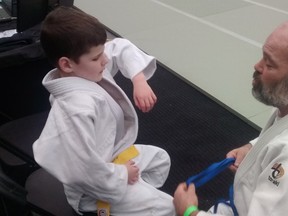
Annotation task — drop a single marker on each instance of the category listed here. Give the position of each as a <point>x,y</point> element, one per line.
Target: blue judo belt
<point>209,173</point>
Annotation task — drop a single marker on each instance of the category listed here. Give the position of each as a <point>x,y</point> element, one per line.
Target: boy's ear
<point>65,64</point>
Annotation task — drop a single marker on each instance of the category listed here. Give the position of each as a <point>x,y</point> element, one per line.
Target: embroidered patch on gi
<point>103,212</point>
<point>277,172</point>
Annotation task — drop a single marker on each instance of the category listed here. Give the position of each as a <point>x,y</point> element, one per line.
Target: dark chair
<point>12,198</point>
<point>44,194</point>
<point>16,140</point>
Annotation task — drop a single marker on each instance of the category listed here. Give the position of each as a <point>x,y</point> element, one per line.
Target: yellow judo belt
<point>103,208</point>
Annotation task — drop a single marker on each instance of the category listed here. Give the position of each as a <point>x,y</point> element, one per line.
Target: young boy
<point>87,142</point>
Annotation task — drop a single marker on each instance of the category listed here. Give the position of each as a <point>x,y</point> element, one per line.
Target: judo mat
<point>194,129</point>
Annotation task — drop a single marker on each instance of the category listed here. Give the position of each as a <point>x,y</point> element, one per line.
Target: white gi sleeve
<point>252,142</point>
<point>202,213</point>
<point>128,59</point>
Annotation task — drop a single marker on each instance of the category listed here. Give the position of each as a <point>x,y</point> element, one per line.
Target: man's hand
<point>238,154</point>
<point>184,197</point>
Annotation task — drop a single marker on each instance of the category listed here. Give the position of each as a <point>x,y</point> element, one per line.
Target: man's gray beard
<point>276,95</point>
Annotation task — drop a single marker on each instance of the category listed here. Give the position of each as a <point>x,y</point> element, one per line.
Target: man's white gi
<point>88,126</point>
<point>261,181</point>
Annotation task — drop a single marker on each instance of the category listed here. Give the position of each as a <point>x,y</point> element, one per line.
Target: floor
<point>212,44</point>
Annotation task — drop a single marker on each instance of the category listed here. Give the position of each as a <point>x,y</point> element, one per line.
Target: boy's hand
<point>133,172</point>
<point>143,95</point>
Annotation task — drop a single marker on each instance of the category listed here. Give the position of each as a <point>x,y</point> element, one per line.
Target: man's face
<point>270,79</point>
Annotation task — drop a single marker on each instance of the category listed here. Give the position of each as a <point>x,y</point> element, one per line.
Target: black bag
<point>21,47</point>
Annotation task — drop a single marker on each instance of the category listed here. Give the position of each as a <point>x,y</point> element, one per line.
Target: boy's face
<point>92,64</point>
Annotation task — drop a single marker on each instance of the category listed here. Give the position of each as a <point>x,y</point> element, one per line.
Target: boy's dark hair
<point>69,32</point>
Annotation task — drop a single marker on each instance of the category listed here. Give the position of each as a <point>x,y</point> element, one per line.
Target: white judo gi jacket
<point>88,126</point>
<point>261,181</point>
